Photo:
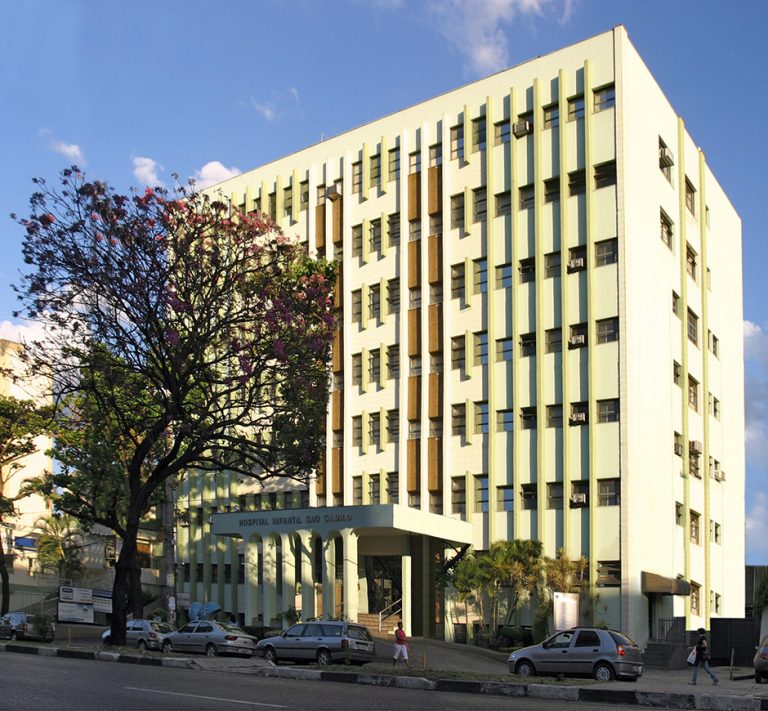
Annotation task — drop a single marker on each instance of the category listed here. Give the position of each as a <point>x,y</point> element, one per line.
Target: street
<point>37,683</point>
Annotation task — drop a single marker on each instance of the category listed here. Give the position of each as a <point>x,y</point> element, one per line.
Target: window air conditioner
<point>666,158</point>
<point>719,475</point>
<point>577,499</point>
<point>333,193</point>
<point>695,447</point>
<point>521,128</point>
<point>576,264</point>
<point>578,417</point>
<point>579,340</point>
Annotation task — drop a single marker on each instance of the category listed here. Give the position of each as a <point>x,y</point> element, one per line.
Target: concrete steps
<point>371,621</point>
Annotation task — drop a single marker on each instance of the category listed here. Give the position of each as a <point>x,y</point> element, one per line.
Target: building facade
<point>540,337</point>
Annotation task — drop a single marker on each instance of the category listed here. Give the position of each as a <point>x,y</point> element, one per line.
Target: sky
<point>135,92</point>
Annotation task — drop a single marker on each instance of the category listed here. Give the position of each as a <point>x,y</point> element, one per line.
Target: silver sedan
<point>211,638</point>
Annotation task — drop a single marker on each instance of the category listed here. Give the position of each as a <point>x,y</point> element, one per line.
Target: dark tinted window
<point>312,630</point>
<point>588,638</point>
<point>188,628</point>
<point>204,627</point>
<point>294,631</point>
<point>359,633</point>
<point>622,639</point>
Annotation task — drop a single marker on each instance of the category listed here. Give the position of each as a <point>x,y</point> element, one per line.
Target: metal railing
<point>670,630</point>
<point>390,610</point>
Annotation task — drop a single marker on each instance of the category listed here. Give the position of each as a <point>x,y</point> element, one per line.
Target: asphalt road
<point>32,683</point>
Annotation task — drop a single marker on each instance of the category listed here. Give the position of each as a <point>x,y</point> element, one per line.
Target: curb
<point>669,700</point>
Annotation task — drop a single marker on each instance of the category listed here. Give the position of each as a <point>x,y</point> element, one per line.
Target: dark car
<point>761,661</point>
<point>22,625</point>
<point>600,653</point>
<point>321,641</point>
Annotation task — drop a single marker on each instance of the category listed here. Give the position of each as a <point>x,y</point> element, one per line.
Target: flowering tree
<point>181,334</point>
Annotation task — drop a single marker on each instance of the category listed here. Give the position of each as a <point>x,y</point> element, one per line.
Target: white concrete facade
<point>509,356</point>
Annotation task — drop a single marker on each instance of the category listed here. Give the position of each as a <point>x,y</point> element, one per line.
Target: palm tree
<point>58,546</point>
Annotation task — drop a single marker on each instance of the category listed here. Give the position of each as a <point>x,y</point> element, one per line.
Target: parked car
<point>211,638</point>
<point>22,625</point>
<point>601,653</point>
<point>761,661</point>
<point>144,634</point>
<point>324,642</point>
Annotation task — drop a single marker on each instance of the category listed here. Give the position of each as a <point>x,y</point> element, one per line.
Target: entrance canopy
<point>654,583</point>
<point>384,517</point>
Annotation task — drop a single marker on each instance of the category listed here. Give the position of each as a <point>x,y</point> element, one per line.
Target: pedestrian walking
<point>702,658</point>
<point>401,646</point>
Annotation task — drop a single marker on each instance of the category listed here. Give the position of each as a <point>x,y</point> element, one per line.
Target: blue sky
<point>135,91</point>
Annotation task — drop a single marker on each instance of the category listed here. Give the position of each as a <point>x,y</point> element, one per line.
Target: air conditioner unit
<point>719,475</point>
<point>577,499</point>
<point>678,449</point>
<point>577,417</point>
<point>521,128</point>
<point>576,264</point>
<point>579,340</point>
<point>333,193</point>
<point>695,447</point>
<point>666,158</point>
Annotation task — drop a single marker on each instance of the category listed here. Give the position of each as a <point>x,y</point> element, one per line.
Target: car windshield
<point>162,627</point>
<point>622,639</point>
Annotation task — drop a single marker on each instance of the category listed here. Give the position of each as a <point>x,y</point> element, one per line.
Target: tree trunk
<point>5,578</point>
<point>124,587</point>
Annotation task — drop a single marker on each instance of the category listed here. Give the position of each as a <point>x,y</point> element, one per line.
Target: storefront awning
<point>661,585</point>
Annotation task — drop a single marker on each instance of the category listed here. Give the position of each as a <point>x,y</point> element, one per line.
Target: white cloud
<point>757,527</point>
<point>145,171</point>
<point>478,29</point>
<point>22,332</point>
<point>278,105</point>
<point>71,151</point>
<point>756,345</point>
<point>213,172</point>
<point>265,108</point>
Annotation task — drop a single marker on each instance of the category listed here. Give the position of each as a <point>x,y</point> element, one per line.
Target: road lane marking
<point>207,698</point>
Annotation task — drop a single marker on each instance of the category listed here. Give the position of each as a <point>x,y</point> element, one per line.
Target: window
<point>393,296</point>
<point>576,107</point>
<point>526,197</point>
<point>457,211</point>
<point>607,330</point>
<point>357,431</point>
<point>552,265</point>
<point>695,527</point>
<point>527,344</point>
<point>714,531</point>
<point>504,276</point>
<point>693,328</point>
<point>717,602</point>
<point>321,194</point>
<point>414,430</point>
<point>414,162</point>
<point>481,494</point>
<point>374,489</point>
<point>435,155</point>
<point>287,201</point>
<point>665,228</point>
<point>375,170</point>
<point>374,429</point>
<point>457,142</point>
<point>357,369</point>
<point>436,362</point>
<point>677,373</point>
<point>479,205</point>
<point>480,275</point>
<point>579,493</point>
<point>357,490</point>
<point>481,347</point>
<point>551,116</point>
<point>273,205</point>
<point>675,304</point>
<point>414,231</point>
<point>554,415</point>
<point>357,177</point>
<point>458,354</point>
<point>505,420</point>
<point>678,513</point>
<point>606,252</point>
<point>503,204</point>
<point>374,236</point>
<point>608,492</point>
<point>459,495</point>
<point>414,365</point>
<point>552,190</point>
<point>393,425</point>
<point>524,124</point>
<point>357,240</point>
<point>374,302</point>
<point>555,495</point>
<point>715,408</point>
<point>690,197</point>
<point>527,418</point>
<point>457,281</point>
<point>505,349</point>
<point>605,98</point>
<point>577,182</point>
<point>459,420</point>
<point>374,366</point>
<point>691,261</point>
<point>393,493</point>
<point>579,413</point>
<point>527,269</point>
<point>605,174</point>
<point>666,160</point>
<point>554,340</point>
<point>695,598</point>
<point>577,337</point>
<point>357,306</point>
<point>714,344</point>
<point>500,133</point>
<point>478,134</point>
<point>677,441</point>
<point>394,164</point>
<point>577,259</point>
<point>481,417</point>
<point>505,498</point>
<point>528,497</point>
<point>394,229</point>
<point>608,573</point>
<point>607,410</point>
<point>693,393</point>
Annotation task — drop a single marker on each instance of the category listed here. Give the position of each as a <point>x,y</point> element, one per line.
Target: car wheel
<point>142,645</point>
<point>758,677</point>
<point>324,658</point>
<point>525,668</point>
<point>13,636</point>
<point>270,655</point>
<point>167,647</point>
<point>210,650</point>
<point>604,672</point>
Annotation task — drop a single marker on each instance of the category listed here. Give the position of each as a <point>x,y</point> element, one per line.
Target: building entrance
<point>384,581</point>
